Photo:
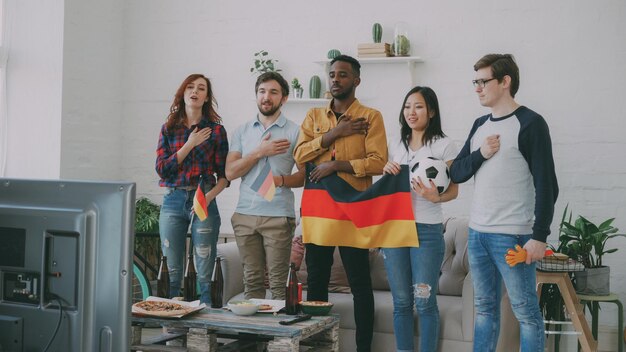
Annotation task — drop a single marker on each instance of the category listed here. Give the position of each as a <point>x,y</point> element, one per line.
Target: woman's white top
<point>445,149</point>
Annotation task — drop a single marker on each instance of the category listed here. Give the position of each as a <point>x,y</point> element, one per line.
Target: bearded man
<point>264,226</point>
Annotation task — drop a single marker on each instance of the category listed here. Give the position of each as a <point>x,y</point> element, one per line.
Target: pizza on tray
<point>160,308</point>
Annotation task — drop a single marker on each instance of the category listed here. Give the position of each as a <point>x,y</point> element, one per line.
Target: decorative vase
<point>297,93</point>
<point>401,45</point>
<point>315,87</point>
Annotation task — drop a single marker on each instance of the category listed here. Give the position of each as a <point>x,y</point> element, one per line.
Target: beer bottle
<point>291,291</point>
<point>217,285</point>
<point>189,282</point>
<point>163,279</point>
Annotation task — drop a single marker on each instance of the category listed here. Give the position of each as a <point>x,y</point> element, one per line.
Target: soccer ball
<point>433,169</point>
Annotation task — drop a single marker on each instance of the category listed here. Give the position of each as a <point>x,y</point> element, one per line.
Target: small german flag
<point>199,203</point>
<point>264,183</point>
<point>336,214</point>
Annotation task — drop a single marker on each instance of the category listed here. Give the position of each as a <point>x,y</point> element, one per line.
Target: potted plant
<point>146,215</point>
<point>147,241</point>
<point>297,88</point>
<point>586,242</point>
<point>262,63</point>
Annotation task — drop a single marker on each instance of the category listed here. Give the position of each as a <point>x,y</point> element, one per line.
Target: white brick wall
<point>124,60</point>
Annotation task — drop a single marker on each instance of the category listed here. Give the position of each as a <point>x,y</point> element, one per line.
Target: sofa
<point>455,297</point>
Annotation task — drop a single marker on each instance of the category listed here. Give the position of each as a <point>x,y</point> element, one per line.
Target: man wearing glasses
<point>509,153</point>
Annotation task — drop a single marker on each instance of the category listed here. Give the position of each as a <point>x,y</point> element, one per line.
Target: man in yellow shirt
<point>349,139</point>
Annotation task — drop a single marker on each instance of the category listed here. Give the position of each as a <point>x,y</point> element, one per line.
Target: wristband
<point>282,184</point>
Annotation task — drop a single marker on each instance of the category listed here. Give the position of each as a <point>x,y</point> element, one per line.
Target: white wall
<point>91,139</point>
<point>34,88</point>
<point>570,53</point>
<point>124,60</point>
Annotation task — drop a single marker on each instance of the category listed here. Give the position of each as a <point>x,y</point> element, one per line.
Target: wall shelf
<point>307,101</point>
<point>410,61</point>
<point>382,60</point>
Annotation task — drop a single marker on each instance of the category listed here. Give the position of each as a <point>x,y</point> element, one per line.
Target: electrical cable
<point>56,330</point>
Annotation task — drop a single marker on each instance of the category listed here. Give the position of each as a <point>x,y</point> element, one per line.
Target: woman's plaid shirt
<point>207,159</point>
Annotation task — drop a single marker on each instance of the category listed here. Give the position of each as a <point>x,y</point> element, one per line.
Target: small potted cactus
<point>297,88</point>
<point>315,87</point>
<point>377,32</point>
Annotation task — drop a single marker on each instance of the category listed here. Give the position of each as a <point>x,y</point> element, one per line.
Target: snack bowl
<point>243,307</point>
<point>316,307</point>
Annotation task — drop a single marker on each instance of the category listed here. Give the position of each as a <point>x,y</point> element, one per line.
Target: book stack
<point>374,50</point>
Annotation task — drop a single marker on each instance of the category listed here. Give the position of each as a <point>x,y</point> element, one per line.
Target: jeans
<point>489,269</point>
<point>264,241</point>
<point>319,260</point>
<point>174,222</point>
<point>413,274</point>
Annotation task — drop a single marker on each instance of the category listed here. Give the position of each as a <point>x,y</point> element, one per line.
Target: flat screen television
<point>65,265</point>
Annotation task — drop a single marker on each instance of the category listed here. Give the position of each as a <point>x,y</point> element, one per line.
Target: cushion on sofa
<point>455,264</point>
<point>338,279</point>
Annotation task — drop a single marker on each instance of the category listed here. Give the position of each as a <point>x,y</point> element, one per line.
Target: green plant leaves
<point>147,215</point>
<point>584,240</point>
<point>263,64</point>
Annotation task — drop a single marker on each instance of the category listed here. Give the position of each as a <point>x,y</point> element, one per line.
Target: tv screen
<point>65,265</point>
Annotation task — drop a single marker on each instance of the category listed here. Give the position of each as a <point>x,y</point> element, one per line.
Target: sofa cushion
<point>338,279</point>
<point>297,251</point>
<point>450,314</point>
<point>377,270</point>
<point>455,264</point>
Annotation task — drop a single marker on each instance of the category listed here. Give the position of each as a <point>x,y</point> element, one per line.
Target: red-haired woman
<point>192,145</point>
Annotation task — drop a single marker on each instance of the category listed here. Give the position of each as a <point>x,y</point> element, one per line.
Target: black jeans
<point>319,259</point>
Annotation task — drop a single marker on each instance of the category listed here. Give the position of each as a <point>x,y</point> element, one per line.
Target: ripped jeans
<point>173,224</point>
<point>413,274</point>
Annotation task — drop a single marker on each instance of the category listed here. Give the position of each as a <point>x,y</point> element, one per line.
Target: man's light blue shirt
<point>247,138</point>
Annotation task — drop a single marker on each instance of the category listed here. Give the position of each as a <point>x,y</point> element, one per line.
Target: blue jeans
<point>489,269</point>
<point>413,274</point>
<point>174,222</point>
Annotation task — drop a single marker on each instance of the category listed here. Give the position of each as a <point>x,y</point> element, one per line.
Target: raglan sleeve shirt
<point>536,147</point>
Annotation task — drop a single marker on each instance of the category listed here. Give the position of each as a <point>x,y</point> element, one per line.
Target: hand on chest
<point>508,132</point>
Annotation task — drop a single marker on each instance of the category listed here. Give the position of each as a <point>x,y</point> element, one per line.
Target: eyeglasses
<point>481,82</point>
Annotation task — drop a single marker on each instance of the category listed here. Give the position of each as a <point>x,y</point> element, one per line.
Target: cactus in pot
<point>333,53</point>
<point>315,87</point>
<point>377,32</point>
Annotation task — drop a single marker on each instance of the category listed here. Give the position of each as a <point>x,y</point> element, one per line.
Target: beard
<point>342,94</point>
<point>269,112</point>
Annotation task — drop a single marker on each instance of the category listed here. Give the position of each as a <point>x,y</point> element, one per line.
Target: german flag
<point>263,184</point>
<point>199,203</point>
<point>336,214</point>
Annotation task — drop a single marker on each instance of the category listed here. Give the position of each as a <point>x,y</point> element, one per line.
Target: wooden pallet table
<point>203,328</point>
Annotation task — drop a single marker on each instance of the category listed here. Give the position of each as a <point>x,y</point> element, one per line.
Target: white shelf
<point>307,101</point>
<point>410,61</point>
<point>382,60</point>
